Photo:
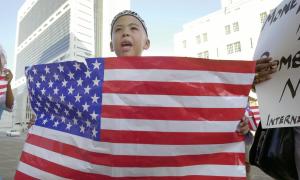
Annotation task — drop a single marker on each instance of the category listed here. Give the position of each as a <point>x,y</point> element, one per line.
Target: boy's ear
<point>111,47</point>
<point>147,44</point>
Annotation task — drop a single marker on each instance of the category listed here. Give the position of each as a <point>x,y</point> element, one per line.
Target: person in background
<point>264,69</point>
<point>7,98</point>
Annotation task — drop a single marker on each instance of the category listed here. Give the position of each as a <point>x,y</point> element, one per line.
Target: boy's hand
<point>264,67</point>
<point>31,122</point>
<point>243,127</point>
<point>8,75</point>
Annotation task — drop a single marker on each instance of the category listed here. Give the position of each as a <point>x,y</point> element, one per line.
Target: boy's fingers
<point>261,79</point>
<point>263,60</point>
<point>264,73</point>
<point>265,64</point>
<point>260,67</point>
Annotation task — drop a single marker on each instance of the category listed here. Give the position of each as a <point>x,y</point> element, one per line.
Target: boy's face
<point>129,37</point>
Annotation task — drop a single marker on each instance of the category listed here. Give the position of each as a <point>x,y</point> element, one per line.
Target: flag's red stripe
<point>179,63</point>
<point>66,172</point>
<point>172,113</point>
<point>255,112</point>
<point>3,86</point>
<point>136,161</point>
<point>2,78</point>
<point>57,169</point>
<point>169,138</point>
<point>21,176</point>
<point>175,88</point>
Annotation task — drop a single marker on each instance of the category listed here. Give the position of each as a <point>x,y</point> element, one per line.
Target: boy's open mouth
<point>126,45</point>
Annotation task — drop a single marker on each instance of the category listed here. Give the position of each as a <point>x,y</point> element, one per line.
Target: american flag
<point>137,118</point>
<point>252,117</point>
<point>253,112</point>
<point>3,85</point>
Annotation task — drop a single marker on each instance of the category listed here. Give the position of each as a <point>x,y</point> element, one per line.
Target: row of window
<point>201,38</point>
<point>231,48</point>
<point>263,16</point>
<point>235,28</point>
<point>203,54</point>
<point>234,47</point>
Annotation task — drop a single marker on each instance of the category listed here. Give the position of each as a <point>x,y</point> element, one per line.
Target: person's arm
<point>243,127</point>
<point>9,101</point>
<point>264,68</point>
<point>31,121</point>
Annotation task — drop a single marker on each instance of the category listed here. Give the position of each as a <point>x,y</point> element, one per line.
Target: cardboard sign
<point>279,98</point>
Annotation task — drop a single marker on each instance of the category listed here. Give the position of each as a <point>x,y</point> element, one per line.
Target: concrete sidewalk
<point>11,148</point>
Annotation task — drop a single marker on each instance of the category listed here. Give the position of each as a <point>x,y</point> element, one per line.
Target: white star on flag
<point>77,66</point>
<point>96,65</point>
<point>85,107</point>
<point>61,68</point>
<point>47,70</point>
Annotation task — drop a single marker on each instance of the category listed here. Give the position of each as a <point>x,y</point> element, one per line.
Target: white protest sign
<point>279,98</point>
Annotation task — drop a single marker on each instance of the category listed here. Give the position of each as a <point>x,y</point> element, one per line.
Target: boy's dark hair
<point>128,13</point>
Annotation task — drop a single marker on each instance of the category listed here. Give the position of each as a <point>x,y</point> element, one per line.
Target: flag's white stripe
<point>3,90</point>
<point>174,101</point>
<point>256,116</point>
<point>251,120</point>
<point>168,126</point>
<point>136,149</point>
<point>3,82</point>
<point>255,110</point>
<point>80,165</point>
<point>162,75</point>
<point>36,173</point>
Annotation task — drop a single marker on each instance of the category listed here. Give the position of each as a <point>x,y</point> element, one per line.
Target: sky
<point>164,18</point>
<point>8,21</point>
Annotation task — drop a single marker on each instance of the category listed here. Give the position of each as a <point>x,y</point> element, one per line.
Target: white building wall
<point>82,29</point>
<point>110,9</point>
<point>245,12</point>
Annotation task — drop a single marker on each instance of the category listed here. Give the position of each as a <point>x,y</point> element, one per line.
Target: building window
<point>200,55</point>
<point>204,36</point>
<point>229,48</point>
<point>198,39</point>
<point>204,54</point>
<point>184,43</point>
<point>263,17</point>
<point>237,47</point>
<point>234,47</point>
<point>227,29</point>
<point>235,27</point>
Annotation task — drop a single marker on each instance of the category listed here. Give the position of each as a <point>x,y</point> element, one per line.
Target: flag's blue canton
<point>67,96</point>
